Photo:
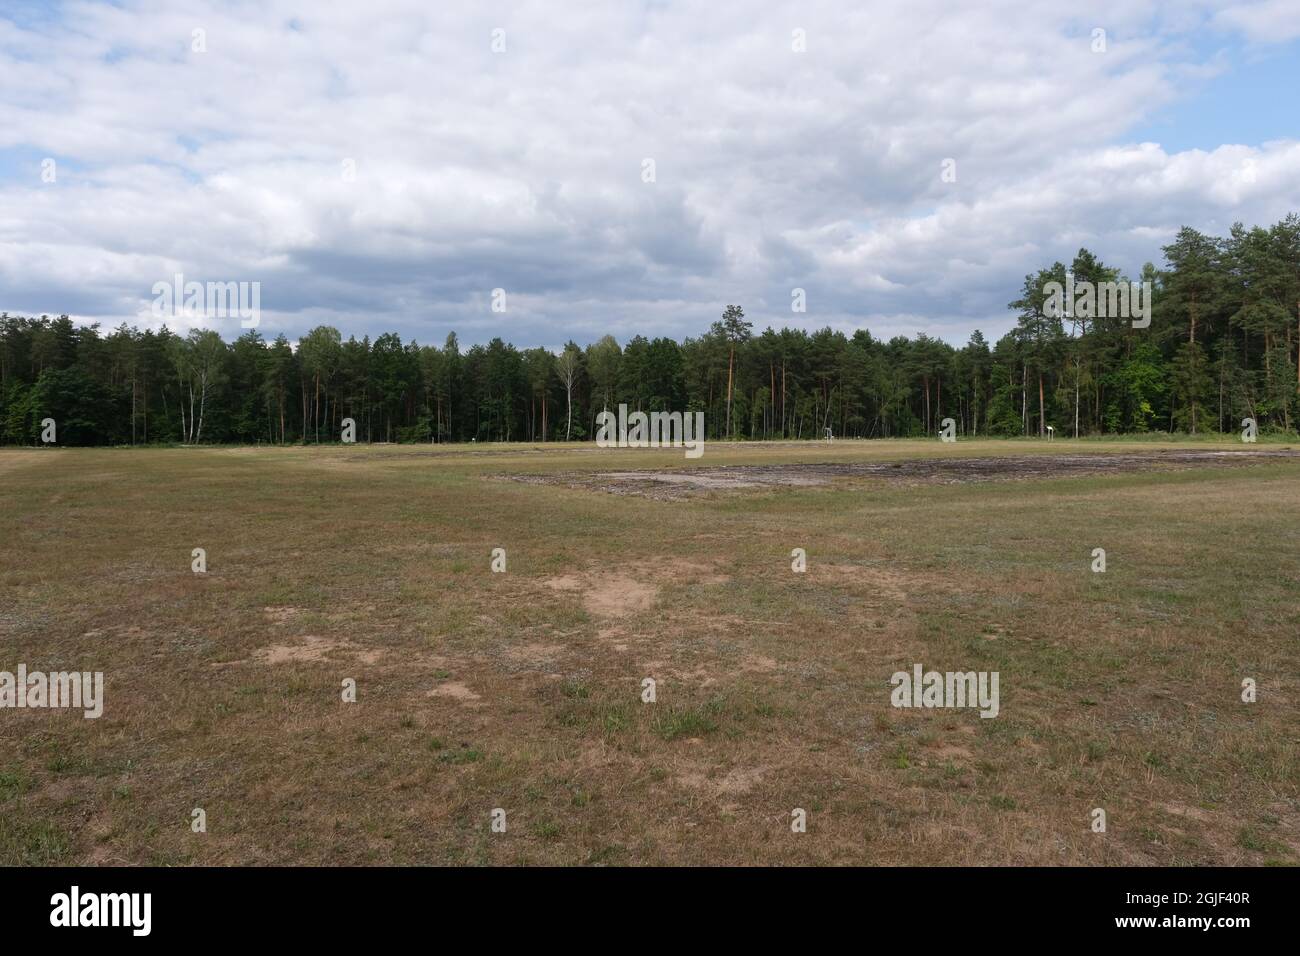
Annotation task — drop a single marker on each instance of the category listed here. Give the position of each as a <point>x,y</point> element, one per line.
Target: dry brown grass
<point>522,690</point>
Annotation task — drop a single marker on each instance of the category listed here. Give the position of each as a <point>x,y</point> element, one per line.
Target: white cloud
<point>1265,21</point>
<point>522,170</point>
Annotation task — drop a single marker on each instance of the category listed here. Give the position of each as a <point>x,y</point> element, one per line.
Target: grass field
<point>522,690</point>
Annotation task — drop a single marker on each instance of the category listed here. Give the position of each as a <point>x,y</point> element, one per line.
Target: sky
<point>626,168</point>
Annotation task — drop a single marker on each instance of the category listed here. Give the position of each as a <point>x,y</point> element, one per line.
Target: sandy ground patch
<point>308,649</point>
<point>611,596</point>
<point>312,648</point>
<point>607,595</point>
<point>733,783</point>
<point>456,691</point>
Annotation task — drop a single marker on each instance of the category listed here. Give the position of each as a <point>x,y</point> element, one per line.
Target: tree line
<point>1223,344</point>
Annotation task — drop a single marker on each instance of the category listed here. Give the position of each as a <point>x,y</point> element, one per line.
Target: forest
<point>1222,345</point>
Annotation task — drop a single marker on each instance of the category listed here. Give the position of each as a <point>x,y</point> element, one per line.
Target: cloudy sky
<point>385,165</point>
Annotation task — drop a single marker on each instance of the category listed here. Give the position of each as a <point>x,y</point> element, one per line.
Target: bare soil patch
<point>456,691</point>
<point>607,595</point>
<point>672,485</point>
<point>735,782</point>
<point>308,649</point>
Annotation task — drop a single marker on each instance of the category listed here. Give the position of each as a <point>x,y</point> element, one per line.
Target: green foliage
<point>1223,344</point>
<point>80,406</point>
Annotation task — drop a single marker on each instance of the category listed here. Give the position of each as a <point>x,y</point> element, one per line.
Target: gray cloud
<point>522,169</point>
